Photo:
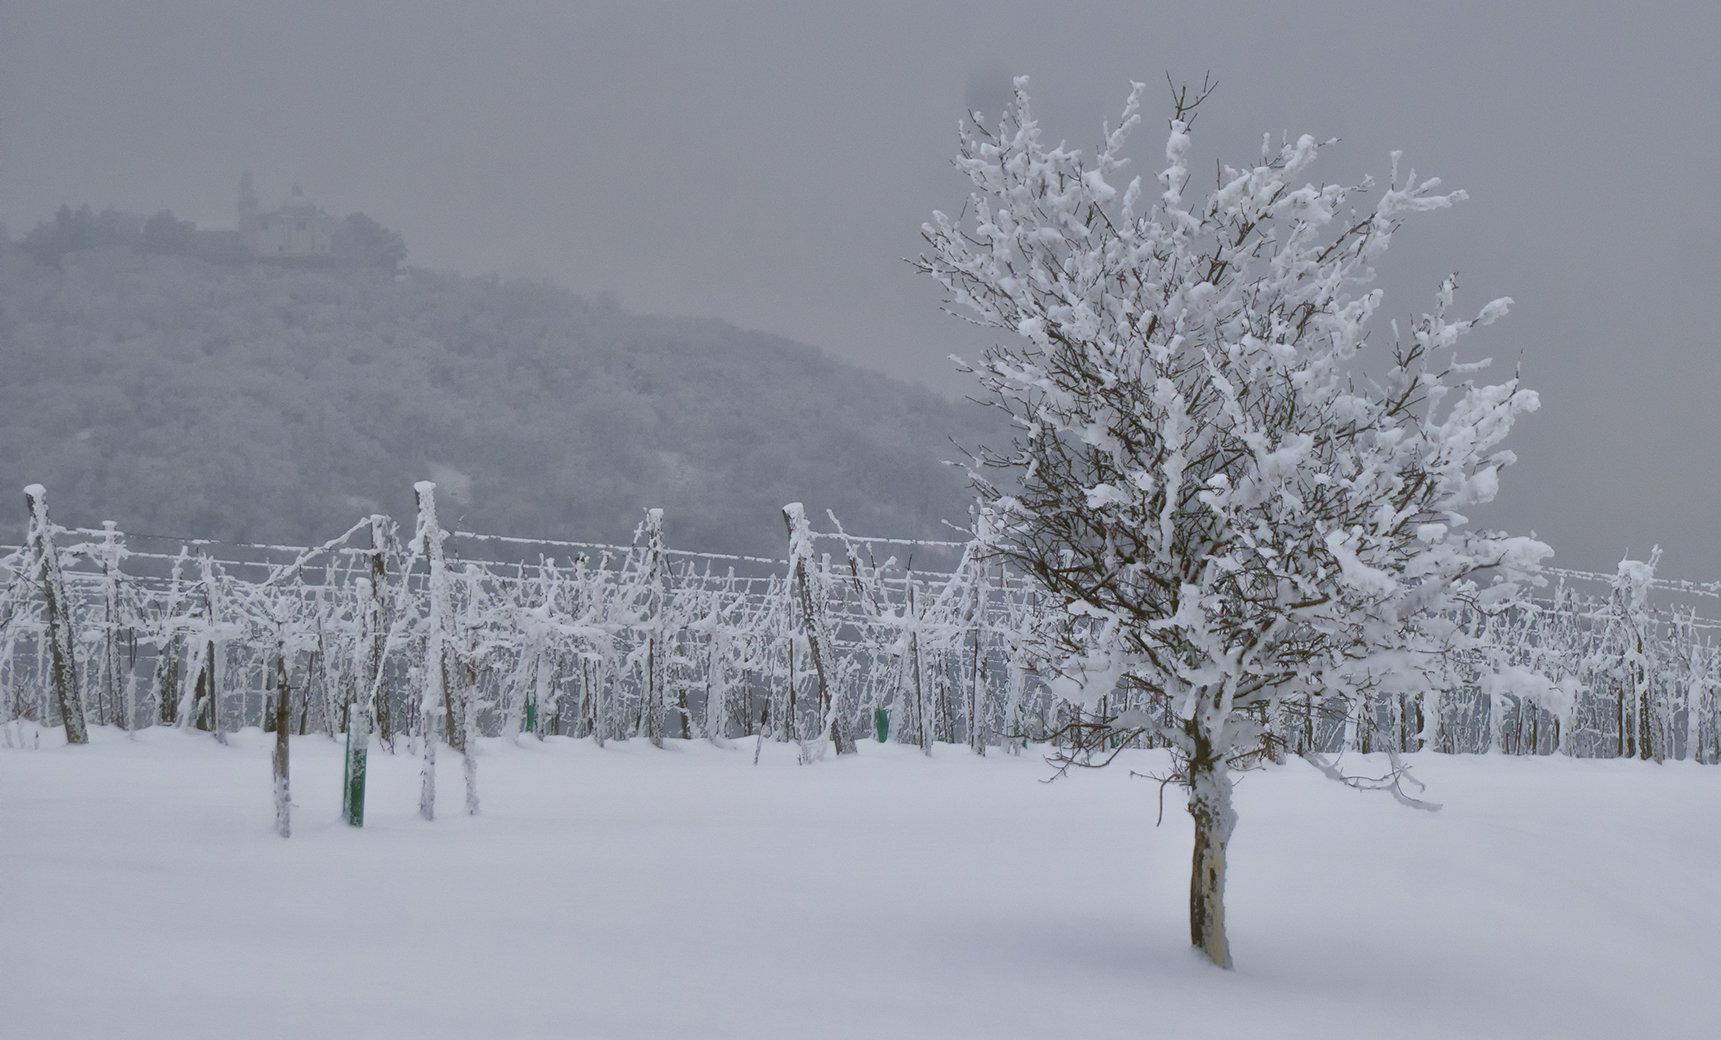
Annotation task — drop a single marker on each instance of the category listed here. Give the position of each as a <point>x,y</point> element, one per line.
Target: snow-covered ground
<point>631,892</point>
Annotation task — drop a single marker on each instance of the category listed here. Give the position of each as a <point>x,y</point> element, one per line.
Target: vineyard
<point>435,638</point>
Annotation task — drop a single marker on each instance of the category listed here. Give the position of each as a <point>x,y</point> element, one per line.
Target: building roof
<point>299,206</point>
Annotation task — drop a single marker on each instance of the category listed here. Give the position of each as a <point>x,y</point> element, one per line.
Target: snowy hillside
<point>180,397</point>
<point>631,892</point>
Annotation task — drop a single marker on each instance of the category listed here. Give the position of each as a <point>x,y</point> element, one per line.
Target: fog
<point>770,165</point>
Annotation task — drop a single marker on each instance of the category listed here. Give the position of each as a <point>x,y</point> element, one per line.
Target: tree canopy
<point>1232,517</point>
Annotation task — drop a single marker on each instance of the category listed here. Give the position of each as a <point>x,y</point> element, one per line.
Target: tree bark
<point>1210,806</point>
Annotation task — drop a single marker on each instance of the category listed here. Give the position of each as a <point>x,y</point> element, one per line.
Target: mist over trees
<point>358,240</point>
<point>268,402</point>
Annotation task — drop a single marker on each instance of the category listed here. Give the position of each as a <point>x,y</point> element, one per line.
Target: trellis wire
<point>616,642</point>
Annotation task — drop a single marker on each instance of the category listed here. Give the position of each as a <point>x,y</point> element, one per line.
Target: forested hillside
<point>254,402</point>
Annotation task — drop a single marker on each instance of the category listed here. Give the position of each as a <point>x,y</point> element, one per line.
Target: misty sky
<point>771,163</point>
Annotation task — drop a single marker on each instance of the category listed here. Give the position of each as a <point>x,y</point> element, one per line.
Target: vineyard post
<point>977,699</point>
<point>1694,669</point>
<point>435,693</point>
<point>467,700</point>
<point>923,712</point>
<point>166,682</point>
<point>651,707</point>
<point>373,634</point>
<point>214,675</point>
<point>109,707</point>
<point>812,624</point>
<point>62,656</point>
<point>283,727</point>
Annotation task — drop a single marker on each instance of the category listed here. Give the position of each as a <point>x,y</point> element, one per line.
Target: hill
<point>182,397</point>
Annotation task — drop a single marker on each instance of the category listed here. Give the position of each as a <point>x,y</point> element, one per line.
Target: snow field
<point>631,892</point>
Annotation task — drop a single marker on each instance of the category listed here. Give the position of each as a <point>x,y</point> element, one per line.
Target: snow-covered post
<point>191,681</point>
<point>1631,585</point>
<point>165,683</point>
<point>45,570</point>
<point>215,653</point>
<point>1707,729</point>
<point>1696,683</point>
<point>1016,679</point>
<point>978,732</point>
<point>466,703</point>
<point>652,623</point>
<point>542,673</point>
<point>719,636</point>
<point>810,624</point>
<point>433,698</point>
<point>1433,705</point>
<point>283,727</point>
<point>111,704</point>
<point>373,625</point>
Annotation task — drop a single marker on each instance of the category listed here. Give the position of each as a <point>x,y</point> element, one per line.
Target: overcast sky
<point>771,164</point>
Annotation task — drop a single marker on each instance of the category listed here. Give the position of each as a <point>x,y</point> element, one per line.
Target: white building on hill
<point>298,230</point>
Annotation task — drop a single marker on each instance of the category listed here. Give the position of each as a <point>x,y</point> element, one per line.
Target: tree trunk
<point>1210,806</point>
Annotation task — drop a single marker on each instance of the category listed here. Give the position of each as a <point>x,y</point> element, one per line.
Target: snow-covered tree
<point>1236,520</point>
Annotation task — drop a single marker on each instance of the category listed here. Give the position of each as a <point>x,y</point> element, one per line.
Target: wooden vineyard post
<point>469,733</point>
<point>62,657</point>
<point>436,694</point>
<point>212,679</point>
<point>977,695</point>
<point>373,636</point>
<point>435,691</point>
<point>651,704</point>
<point>812,625</point>
<point>923,718</point>
<point>166,682</point>
<point>110,707</point>
<point>283,727</point>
